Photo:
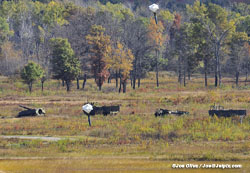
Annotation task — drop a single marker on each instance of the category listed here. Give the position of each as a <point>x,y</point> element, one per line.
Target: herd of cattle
<point>90,109</point>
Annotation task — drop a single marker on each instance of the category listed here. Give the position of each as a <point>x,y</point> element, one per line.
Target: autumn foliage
<point>99,52</point>
<point>156,34</point>
<point>121,63</point>
<point>176,25</point>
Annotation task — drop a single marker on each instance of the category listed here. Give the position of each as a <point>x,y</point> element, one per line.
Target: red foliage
<point>177,21</point>
<point>176,25</point>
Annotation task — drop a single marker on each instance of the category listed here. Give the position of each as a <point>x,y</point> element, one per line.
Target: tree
<point>201,38</point>
<point>99,52</point>
<point>246,60</point>
<point>126,66</point>
<point>30,73</point>
<point>80,21</point>
<point>185,50</point>
<point>137,40</point>
<point>219,28</point>
<point>237,49</point>
<point>4,31</point>
<point>174,39</point>
<point>121,62</point>
<point>156,39</point>
<point>10,59</point>
<point>33,23</point>
<point>64,63</point>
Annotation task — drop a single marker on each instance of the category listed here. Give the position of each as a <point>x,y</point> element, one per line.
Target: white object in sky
<point>154,7</point>
<point>87,108</point>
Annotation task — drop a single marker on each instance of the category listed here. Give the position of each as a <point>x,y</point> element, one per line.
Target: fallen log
<point>30,112</point>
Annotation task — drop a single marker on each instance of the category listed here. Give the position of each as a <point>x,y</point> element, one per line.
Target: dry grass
<point>106,164</point>
<point>133,132</point>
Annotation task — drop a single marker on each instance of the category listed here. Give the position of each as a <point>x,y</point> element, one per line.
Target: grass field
<point>133,133</point>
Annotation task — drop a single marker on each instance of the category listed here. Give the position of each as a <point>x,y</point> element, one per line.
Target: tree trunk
<point>157,70</point>
<point>77,83</point>
<point>184,77</point>
<point>216,79</point>
<point>205,69</point>
<point>140,71</point>
<point>109,78</point>
<point>216,65</point>
<point>120,88</point>
<point>205,79</point>
<point>220,77</point>
<point>84,81</point>
<point>116,79</point>
<point>68,83</point>
<point>189,74</point>
<point>179,70</point>
<point>135,69</point>
<point>246,77</point>
<point>131,80</point>
<point>42,84</point>
<point>134,81</point>
<point>139,82</point>
<point>100,83</point>
<point>30,87</point>
<point>63,83</point>
<point>237,78</point>
<point>134,75</point>
<point>124,86</point>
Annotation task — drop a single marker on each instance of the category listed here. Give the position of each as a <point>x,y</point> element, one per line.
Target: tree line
<point>121,40</point>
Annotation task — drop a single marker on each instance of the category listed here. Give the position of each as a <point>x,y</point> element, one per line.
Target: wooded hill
<point>81,39</point>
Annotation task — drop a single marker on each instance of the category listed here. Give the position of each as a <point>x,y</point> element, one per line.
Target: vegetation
<point>134,131</point>
<point>101,50</point>
<point>65,65</point>
<point>195,37</point>
<point>30,73</point>
<point>100,41</point>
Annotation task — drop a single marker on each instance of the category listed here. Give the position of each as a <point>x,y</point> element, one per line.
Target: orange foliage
<point>177,21</point>
<point>156,34</point>
<point>101,51</point>
<point>247,46</point>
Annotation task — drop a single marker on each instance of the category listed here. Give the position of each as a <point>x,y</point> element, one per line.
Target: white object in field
<point>154,7</point>
<point>87,108</point>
